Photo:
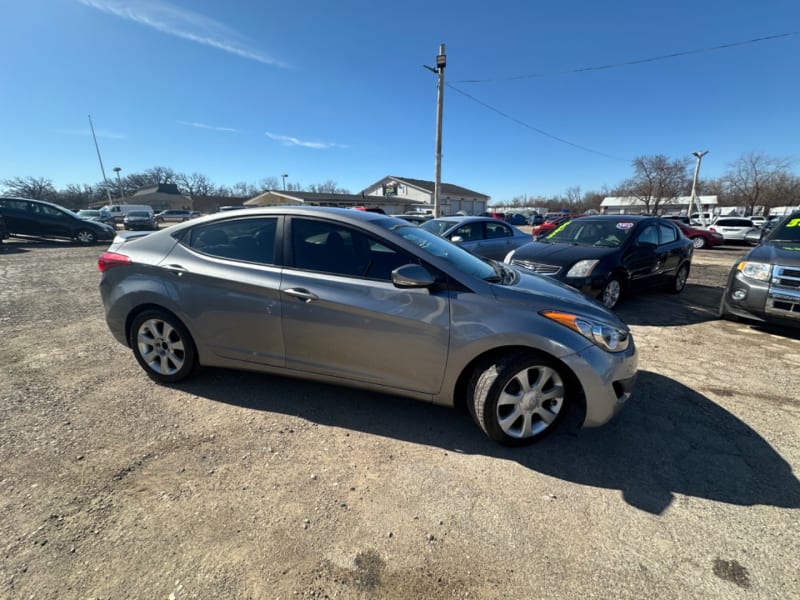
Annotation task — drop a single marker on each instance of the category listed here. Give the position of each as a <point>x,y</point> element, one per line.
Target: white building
<point>452,198</point>
<point>682,205</point>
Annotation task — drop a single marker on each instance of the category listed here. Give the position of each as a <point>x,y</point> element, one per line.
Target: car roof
<point>310,211</point>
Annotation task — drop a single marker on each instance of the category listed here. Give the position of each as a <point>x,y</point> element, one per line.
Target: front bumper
<point>607,380</point>
<point>761,300</point>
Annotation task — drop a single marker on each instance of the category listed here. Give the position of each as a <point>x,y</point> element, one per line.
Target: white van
<point>118,211</point>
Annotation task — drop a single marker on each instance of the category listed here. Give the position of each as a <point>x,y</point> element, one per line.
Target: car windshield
<point>139,214</point>
<point>788,231</point>
<point>437,246</point>
<point>591,232</point>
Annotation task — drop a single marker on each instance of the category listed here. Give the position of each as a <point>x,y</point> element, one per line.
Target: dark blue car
<point>606,256</point>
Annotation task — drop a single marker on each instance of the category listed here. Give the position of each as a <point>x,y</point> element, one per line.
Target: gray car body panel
<point>363,333</point>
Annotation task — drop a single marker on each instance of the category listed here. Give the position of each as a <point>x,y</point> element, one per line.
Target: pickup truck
<point>764,285</point>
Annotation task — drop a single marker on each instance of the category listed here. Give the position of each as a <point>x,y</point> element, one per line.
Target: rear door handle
<point>301,294</point>
<point>177,269</point>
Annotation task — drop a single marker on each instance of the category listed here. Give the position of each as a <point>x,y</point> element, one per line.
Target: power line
<point>531,127</point>
<point>633,62</point>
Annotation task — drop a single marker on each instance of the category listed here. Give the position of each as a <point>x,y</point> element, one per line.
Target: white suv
<point>732,228</point>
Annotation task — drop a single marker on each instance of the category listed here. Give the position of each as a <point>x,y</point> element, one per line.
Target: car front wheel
<point>699,242</point>
<point>163,346</point>
<point>517,400</point>
<point>611,293</point>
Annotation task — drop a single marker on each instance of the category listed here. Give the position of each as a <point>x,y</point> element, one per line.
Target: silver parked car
<point>484,236</point>
<point>366,300</point>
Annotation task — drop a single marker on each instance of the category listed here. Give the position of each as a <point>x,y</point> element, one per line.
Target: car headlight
<point>608,337</point>
<point>755,270</point>
<point>582,268</point>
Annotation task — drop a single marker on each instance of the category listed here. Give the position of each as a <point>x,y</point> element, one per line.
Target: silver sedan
<point>366,300</point>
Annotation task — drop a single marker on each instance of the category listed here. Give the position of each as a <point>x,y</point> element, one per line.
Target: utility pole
<point>441,63</point>
<point>695,200</point>
<point>102,170</point>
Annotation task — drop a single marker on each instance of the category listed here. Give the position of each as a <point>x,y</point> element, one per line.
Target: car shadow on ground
<point>696,304</point>
<point>668,440</point>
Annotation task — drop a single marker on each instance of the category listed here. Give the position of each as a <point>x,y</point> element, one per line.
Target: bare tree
<point>36,188</point>
<point>195,185</point>
<point>755,176</point>
<point>159,175</point>
<point>78,196</point>
<point>269,183</point>
<point>572,195</point>
<point>329,187</point>
<point>657,180</point>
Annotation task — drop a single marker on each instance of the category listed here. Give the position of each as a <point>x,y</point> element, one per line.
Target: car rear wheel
<point>519,399</point>
<point>678,282</point>
<point>163,346</point>
<point>699,242</point>
<point>611,293</point>
<point>86,236</point>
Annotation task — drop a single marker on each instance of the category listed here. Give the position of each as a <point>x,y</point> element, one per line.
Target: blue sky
<point>336,89</point>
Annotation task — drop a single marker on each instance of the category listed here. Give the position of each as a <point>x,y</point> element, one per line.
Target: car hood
<point>776,252</point>
<point>561,254</point>
<point>546,293</point>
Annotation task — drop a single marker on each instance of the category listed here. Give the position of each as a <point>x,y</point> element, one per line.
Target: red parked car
<point>542,230</point>
<point>701,238</point>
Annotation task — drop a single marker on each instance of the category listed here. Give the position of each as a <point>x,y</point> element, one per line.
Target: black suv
<point>764,285</point>
<point>45,219</point>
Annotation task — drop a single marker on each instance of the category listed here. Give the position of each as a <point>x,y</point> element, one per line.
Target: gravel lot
<point>238,485</point>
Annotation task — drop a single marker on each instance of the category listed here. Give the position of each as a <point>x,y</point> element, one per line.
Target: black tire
<point>519,399</point>
<point>611,293</point>
<point>699,242</point>
<point>162,346</point>
<point>86,236</point>
<point>678,282</point>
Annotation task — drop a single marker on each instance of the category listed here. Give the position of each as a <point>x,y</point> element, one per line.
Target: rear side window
<point>668,234</point>
<point>250,240</point>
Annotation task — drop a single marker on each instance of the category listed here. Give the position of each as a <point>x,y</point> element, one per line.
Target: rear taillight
<point>109,260</point>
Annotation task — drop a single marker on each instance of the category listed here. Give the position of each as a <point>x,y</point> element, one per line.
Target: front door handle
<point>301,294</point>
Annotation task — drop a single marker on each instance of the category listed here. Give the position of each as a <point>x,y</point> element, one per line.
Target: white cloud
<point>293,141</point>
<point>182,23</point>
<point>211,127</point>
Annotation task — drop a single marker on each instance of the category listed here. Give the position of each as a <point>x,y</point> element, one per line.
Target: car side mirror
<point>412,276</point>
<point>456,239</point>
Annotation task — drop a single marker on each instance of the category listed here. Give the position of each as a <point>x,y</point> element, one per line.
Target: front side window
<point>251,240</point>
<point>329,247</point>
